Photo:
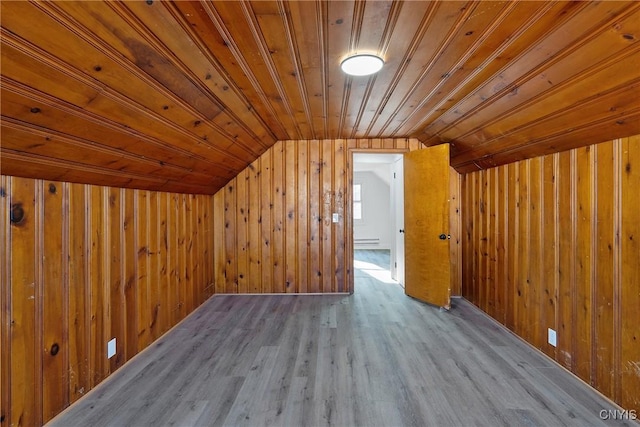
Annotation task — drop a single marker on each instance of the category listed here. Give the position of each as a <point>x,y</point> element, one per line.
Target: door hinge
<point>396,264</point>
<point>394,175</point>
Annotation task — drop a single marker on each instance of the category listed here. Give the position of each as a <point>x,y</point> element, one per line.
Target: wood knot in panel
<point>17,214</point>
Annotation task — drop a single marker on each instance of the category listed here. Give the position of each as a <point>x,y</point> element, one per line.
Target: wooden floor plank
<point>374,358</point>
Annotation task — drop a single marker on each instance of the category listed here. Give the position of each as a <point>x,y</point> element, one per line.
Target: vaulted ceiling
<point>181,96</point>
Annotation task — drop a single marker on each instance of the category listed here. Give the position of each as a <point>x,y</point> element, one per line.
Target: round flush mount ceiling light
<point>362,65</point>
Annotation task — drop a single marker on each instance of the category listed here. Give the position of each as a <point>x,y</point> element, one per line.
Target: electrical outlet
<point>336,217</point>
<point>552,337</point>
<point>111,348</point>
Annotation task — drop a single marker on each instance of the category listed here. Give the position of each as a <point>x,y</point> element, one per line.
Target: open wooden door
<point>426,225</point>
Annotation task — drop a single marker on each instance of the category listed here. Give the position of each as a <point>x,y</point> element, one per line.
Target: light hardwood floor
<point>375,358</point>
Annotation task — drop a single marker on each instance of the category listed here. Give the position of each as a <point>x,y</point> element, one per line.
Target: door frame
<point>349,206</point>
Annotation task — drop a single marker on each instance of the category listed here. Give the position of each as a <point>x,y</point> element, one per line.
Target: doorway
<point>378,217</point>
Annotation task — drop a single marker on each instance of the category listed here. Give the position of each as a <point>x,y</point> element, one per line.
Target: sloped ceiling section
<point>181,96</point>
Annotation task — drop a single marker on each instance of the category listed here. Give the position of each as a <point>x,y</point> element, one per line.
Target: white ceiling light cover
<point>362,65</point>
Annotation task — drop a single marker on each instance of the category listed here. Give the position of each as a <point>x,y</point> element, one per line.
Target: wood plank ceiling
<point>181,96</point>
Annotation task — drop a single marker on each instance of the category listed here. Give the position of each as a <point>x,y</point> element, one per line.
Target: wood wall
<point>554,242</point>
<point>275,234</point>
<point>84,265</point>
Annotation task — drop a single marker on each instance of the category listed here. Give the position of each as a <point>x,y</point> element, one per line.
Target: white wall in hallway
<point>376,221</point>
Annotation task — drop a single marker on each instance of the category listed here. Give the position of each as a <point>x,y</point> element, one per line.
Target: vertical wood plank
<point>467,242</point>
<point>155,266</point>
<point>22,246</point>
<point>523,327</point>
<point>174,249</point>
<point>583,264</point>
<point>454,231</point>
<point>604,268</point>
<point>278,192</point>
<point>291,221</point>
<point>548,241</point>
<point>5,298</point>
<point>538,329</point>
<point>266,229</point>
<point>230,223</point>
<point>79,294</point>
<point>315,218</point>
<point>128,271</point>
<point>513,245</point>
<point>501,244</point>
<point>304,216</point>
<point>55,304</point>
<point>115,290</point>
<point>219,243</point>
<point>197,230</point>
<point>143,254</point>
<point>208,218</point>
<point>487,293</point>
<point>98,367</point>
<point>492,249</point>
<point>474,238</point>
<point>566,258</point>
<point>340,187</point>
<point>242,228</point>
<point>180,261</point>
<point>165,246</point>
<point>255,229</point>
<point>629,299</point>
<point>190,247</point>
<point>326,162</point>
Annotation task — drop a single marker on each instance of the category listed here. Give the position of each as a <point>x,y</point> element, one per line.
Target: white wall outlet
<point>111,348</point>
<point>336,217</point>
<point>552,337</point>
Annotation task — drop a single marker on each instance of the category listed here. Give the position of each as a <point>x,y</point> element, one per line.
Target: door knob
<point>401,230</point>
<point>443,236</point>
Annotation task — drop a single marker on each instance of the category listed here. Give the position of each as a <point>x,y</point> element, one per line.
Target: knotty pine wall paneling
<point>552,242</point>
<point>275,234</point>
<point>84,264</point>
<point>627,294</point>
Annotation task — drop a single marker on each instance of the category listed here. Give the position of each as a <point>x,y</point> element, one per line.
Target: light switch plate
<point>336,217</point>
<point>111,348</point>
<point>552,337</point>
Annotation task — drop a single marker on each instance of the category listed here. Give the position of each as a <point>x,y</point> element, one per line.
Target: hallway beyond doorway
<point>372,264</point>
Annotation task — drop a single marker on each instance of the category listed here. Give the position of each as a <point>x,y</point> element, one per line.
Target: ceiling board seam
<point>293,48</point>
<point>579,105</point>
<point>390,24</point>
<point>631,114</point>
<point>222,72</point>
<point>356,29</point>
<point>69,168</point>
<point>530,74</point>
<point>74,166</point>
<point>268,61</point>
<point>90,116</point>
<point>82,143</point>
<point>323,34</point>
<point>134,22</point>
<point>436,54</point>
<point>84,34</point>
<point>506,43</point>
<point>413,46</point>
<point>202,47</point>
<point>82,114</point>
<point>462,60</point>
<point>218,22</point>
<point>594,69</point>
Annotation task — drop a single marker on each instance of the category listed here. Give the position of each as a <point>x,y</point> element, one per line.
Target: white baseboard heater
<point>373,241</point>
